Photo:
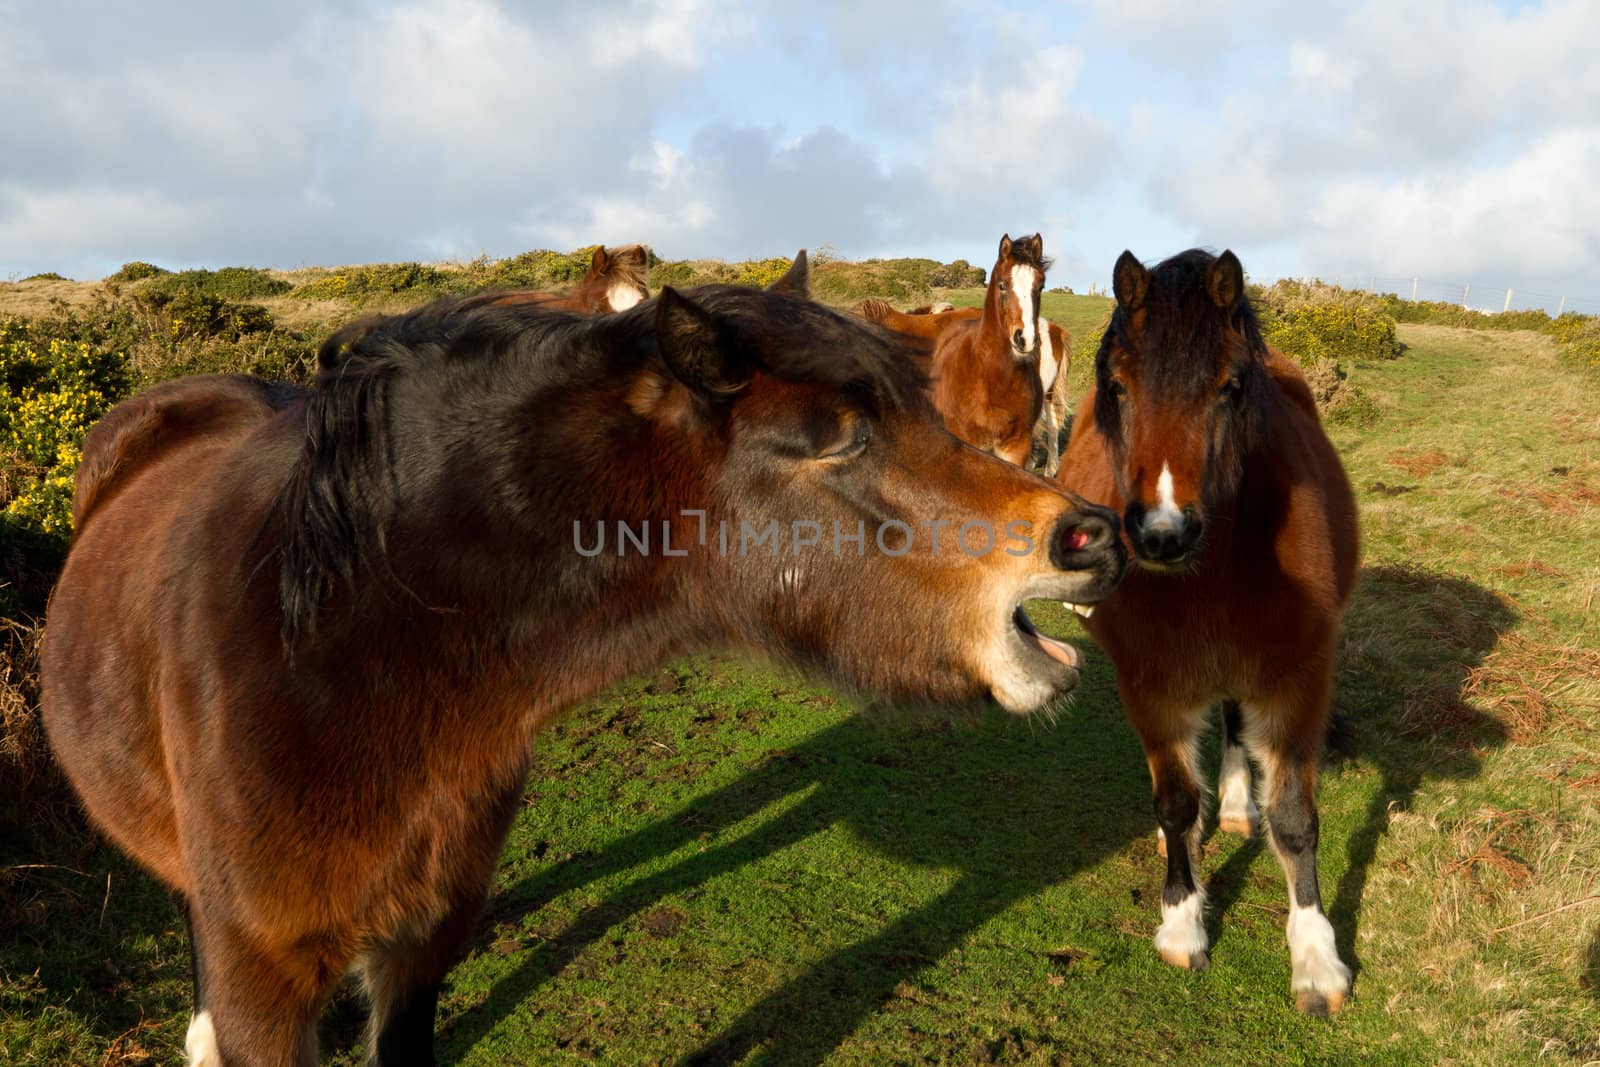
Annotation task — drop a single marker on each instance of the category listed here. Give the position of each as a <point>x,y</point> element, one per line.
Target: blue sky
<point>1456,143</point>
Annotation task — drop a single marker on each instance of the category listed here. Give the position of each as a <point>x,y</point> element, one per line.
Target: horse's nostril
<point>1080,532</point>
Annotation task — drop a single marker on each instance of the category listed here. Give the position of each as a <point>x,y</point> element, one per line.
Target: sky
<point>1454,144</point>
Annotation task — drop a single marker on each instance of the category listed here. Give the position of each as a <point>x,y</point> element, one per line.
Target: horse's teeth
<point>1081,609</point>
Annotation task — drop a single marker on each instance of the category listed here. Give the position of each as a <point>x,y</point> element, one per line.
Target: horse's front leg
<point>1168,737</point>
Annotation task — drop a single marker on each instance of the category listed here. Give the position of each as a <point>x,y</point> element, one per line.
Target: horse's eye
<point>1232,389</point>
<point>1117,389</point>
<point>853,439</point>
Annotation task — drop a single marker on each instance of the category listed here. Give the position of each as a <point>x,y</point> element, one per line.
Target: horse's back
<point>115,622</point>
<point>144,428</point>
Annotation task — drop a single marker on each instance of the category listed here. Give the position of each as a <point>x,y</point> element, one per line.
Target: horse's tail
<point>144,427</point>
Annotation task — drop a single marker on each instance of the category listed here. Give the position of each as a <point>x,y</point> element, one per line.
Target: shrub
<point>56,390</point>
<point>359,284</point>
<point>1440,313</point>
<point>1315,321</point>
<point>761,273</point>
<point>46,276</point>
<point>958,274</point>
<point>538,269</point>
<point>231,283</point>
<point>136,271</point>
<point>1579,335</point>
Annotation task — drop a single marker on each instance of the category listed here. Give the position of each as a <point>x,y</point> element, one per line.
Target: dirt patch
<point>1533,568</point>
<point>1062,958</point>
<point>1417,464</point>
<point>1382,489</point>
<point>662,923</point>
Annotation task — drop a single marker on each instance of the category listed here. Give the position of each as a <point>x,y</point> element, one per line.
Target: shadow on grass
<point>1412,638</point>
<point>1013,807</point>
<point>1016,811</point>
<point>91,948</point>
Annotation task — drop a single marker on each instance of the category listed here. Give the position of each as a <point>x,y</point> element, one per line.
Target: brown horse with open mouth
<point>305,637</point>
<point>1244,528</point>
<point>615,281</point>
<point>985,366</point>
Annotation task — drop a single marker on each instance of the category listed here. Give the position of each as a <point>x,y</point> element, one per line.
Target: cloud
<point>1422,137</point>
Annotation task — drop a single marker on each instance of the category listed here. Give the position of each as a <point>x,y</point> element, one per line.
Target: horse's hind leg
<point>1288,747</point>
<point>1236,810</point>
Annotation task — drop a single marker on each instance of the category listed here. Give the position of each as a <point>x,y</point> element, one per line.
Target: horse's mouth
<point>1164,566</point>
<point>1059,651</point>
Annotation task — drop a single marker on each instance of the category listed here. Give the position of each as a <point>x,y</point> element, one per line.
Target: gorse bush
<point>360,284</point>
<point>1312,321</point>
<point>539,269</point>
<point>1579,335</point>
<point>55,390</point>
<point>230,283</point>
<point>137,271</point>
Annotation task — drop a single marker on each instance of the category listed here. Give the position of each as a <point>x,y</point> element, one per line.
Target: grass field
<point>721,864</point>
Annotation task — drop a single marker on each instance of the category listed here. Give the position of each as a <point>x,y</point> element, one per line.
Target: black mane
<point>332,513</point>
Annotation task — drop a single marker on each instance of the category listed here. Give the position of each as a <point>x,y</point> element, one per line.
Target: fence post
<point>1413,288</point>
<point>1508,303</point>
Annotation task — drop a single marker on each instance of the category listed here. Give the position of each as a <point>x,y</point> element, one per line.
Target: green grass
<point>721,861</point>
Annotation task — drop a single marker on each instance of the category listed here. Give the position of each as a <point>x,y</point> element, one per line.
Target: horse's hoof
<point>1242,825</point>
<point>1189,961</point>
<point>1318,1004</point>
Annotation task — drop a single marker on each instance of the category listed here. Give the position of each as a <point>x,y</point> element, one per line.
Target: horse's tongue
<point>1059,651</point>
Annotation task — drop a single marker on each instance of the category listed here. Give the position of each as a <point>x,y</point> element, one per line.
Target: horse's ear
<point>796,281</point>
<point>599,260</point>
<point>1005,246</point>
<point>693,347</point>
<point>1129,281</point>
<point>1033,247</point>
<point>632,254</point>
<point>1225,281</point>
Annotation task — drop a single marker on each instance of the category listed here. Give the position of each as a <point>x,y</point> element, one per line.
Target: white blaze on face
<point>1022,279</point>
<point>622,296</point>
<point>1165,513</point>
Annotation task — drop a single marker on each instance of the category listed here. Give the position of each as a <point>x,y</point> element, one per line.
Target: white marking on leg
<point>1181,940</point>
<point>1236,812</point>
<point>1022,284</point>
<point>1318,970</point>
<point>622,296</point>
<point>200,1043</point>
